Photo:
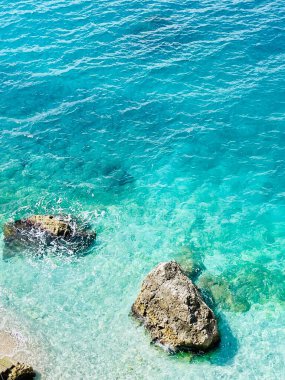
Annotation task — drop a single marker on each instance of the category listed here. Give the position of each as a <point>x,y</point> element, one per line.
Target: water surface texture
<point>162,124</point>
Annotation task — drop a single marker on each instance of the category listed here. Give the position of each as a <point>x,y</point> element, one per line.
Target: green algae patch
<point>191,262</point>
<point>240,287</point>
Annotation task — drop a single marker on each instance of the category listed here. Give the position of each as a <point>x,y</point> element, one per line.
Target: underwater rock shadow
<point>38,376</point>
<point>192,263</point>
<point>116,176</point>
<point>228,347</point>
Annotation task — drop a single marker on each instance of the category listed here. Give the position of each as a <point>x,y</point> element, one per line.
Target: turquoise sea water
<point>163,125</point>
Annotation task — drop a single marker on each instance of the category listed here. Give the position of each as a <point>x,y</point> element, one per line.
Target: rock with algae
<point>191,262</point>
<point>44,230</point>
<point>15,371</point>
<point>239,287</point>
<point>222,293</point>
<point>173,311</point>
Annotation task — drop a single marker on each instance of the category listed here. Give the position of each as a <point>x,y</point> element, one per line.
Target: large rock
<point>44,230</point>
<point>172,309</point>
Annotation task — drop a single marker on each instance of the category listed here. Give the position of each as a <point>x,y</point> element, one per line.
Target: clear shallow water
<point>162,124</point>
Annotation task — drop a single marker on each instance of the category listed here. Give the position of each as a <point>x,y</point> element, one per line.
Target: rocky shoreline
<point>169,305</point>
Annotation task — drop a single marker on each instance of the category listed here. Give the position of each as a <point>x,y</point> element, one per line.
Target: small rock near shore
<point>173,311</point>
<point>15,371</point>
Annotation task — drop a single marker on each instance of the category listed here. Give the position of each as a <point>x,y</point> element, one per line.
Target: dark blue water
<point>162,125</point>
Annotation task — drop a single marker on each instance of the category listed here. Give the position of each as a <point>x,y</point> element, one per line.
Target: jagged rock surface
<point>12,371</point>
<point>21,372</point>
<point>173,311</point>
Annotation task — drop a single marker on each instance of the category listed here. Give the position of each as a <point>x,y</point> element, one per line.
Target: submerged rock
<point>173,311</point>
<point>191,262</point>
<point>15,371</point>
<point>116,175</point>
<point>44,230</point>
<point>243,285</point>
<point>113,177</point>
<point>220,291</point>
